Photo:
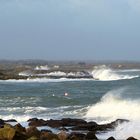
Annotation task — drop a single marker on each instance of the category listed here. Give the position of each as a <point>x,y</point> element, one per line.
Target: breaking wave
<point>104,73</point>
<point>22,114</point>
<point>113,106</point>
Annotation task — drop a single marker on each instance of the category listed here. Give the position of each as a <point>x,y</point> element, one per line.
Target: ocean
<point>111,95</point>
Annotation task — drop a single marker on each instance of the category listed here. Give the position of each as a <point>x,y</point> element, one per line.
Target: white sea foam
<point>104,73</point>
<point>26,73</point>
<point>56,73</point>
<point>111,107</point>
<point>41,80</point>
<point>19,118</point>
<point>129,70</point>
<point>64,74</point>
<point>22,114</point>
<point>24,110</point>
<point>123,131</point>
<point>42,67</point>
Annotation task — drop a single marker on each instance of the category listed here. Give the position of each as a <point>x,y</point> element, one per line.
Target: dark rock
<point>33,119</point>
<point>36,122</point>
<point>65,122</point>
<point>63,129</point>
<point>32,131</point>
<point>76,136</point>
<point>54,123</point>
<point>91,136</point>
<point>110,126</point>
<point>72,122</point>
<point>93,126</point>
<point>48,136</point>
<point>118,121</point>
<point>19,136</point>
<point>11,120</point>
<point>1,122</point>
<point>63,135</point>
<point>131,138</point>
<point>33,138</point>
<point>19,128</point>
<point>45,130</point>
<point>89,126</point>
<point>111,138</point>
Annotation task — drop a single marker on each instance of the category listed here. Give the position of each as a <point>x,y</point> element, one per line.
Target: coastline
<point>64,129</point>
<point>31,69</point>
<point>25,87</point>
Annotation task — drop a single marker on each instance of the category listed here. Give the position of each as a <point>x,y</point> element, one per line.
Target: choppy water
<point>116,94</point>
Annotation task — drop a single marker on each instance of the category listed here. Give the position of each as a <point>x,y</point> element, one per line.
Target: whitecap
<point>104,73</point>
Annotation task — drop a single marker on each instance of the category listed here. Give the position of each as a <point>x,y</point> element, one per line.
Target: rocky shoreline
<point>67,129</point>
<point>31,69</point>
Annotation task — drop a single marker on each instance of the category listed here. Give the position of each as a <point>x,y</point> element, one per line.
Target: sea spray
<point>123,131</point>
<point>104,73</point>
<point>112,106</point>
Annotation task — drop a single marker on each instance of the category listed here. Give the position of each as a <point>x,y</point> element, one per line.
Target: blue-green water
<point>99,100</point>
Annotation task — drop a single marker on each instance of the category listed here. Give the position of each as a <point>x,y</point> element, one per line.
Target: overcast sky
<point>70,29</point>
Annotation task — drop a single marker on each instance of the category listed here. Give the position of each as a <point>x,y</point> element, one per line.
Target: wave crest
<point>112,106</point>
<point>104,73</point>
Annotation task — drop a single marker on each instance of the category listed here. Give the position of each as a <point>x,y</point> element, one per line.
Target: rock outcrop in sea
<point>67,129</point>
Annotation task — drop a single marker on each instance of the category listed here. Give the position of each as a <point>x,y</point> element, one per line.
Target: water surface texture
<point>113,94</point>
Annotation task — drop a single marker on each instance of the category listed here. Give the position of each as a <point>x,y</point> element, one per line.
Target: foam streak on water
<point>46,80</point>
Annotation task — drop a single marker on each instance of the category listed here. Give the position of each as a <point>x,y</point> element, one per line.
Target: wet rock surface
<point>68,129</point>
<point>132,138</point>
<point>76,124</point>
